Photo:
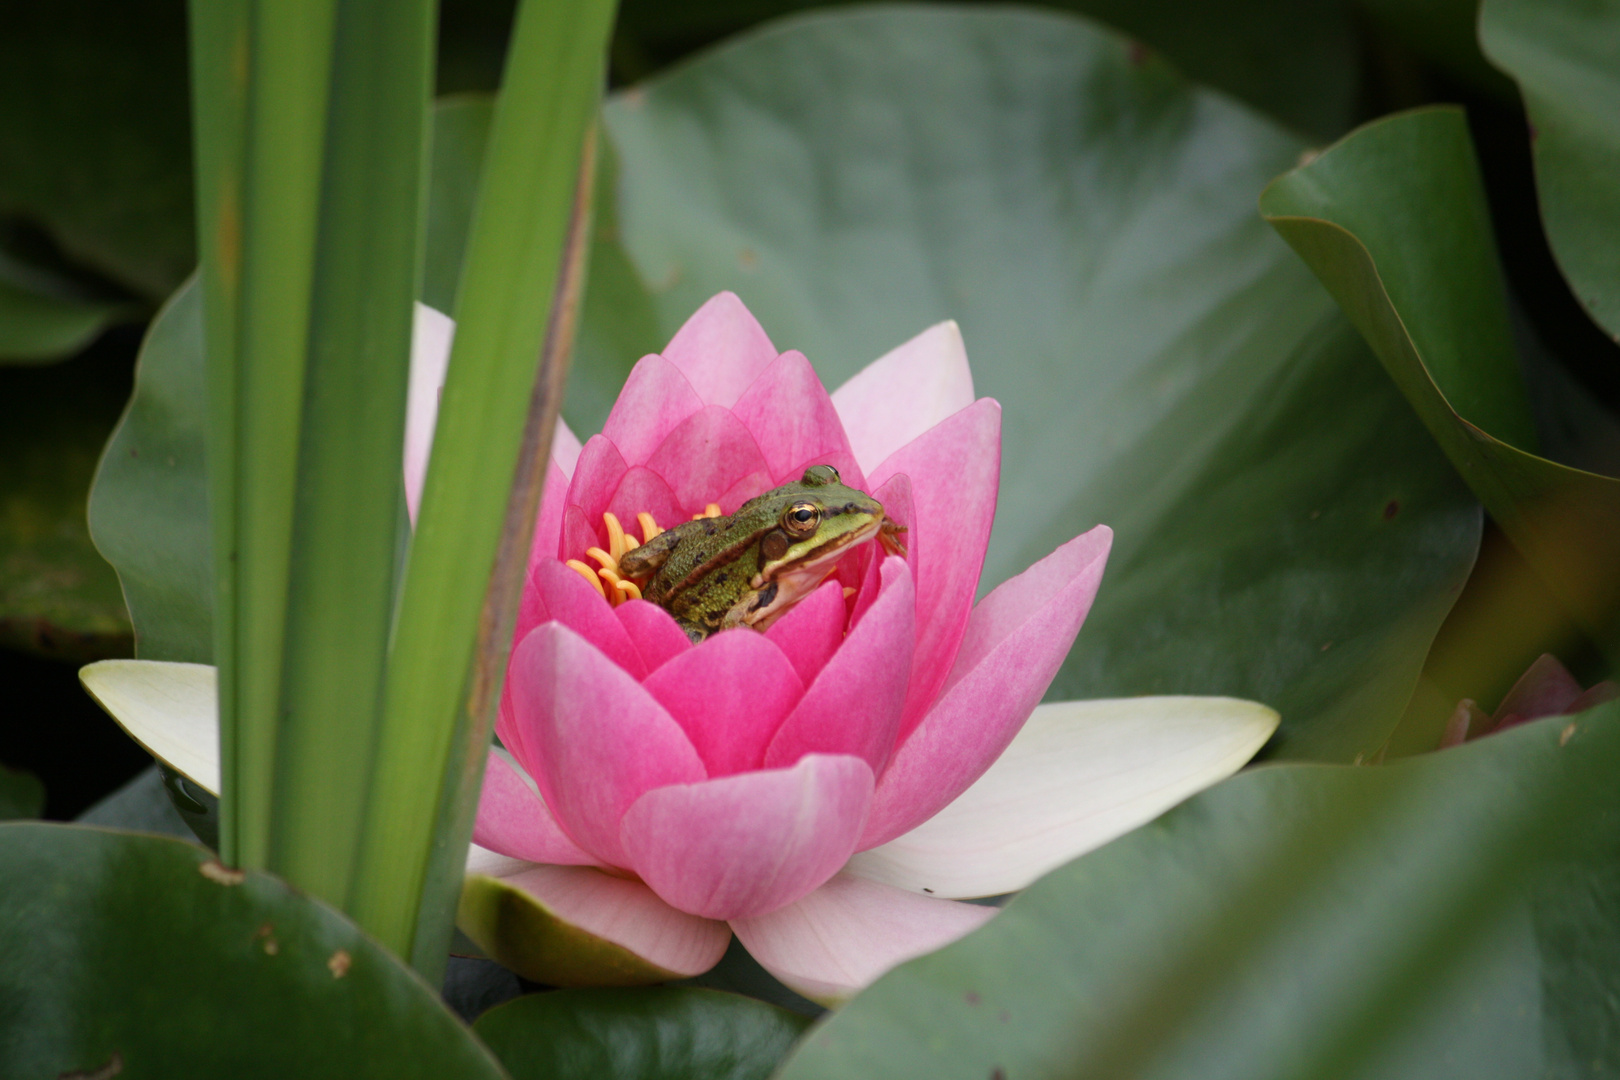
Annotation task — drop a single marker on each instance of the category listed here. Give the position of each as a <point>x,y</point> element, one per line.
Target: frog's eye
<point>820,476</point>
<point>802,518</point>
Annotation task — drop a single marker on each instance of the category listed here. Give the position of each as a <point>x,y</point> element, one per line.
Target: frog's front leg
<point>644,560</point>
<point>750,608</point>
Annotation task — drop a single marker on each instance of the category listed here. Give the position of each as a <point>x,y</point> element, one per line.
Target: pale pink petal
<point>750,843</point>
<point>793,420</point>
<point>1018,638</point>
<point>431,335</point>
<point>812,630</point>
<point>621,911</point>
<point>596,740</point>
<point>513,820</point>
<point>895,495</point>
<point>903,393</point>
<point>596,477</point>
<point>655,399</point>
<point>840,938</point>
<point>654,631</point>
<point>565,448</point>
<point>709,454</point>
<point>721,350</point>
<point>955,468</point>
<point>578,535</point>
<point>561,593</point>
<point>729,694</point>
<point>854,705</point>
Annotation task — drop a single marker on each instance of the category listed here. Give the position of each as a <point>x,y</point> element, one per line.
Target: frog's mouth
<point>778,596</point>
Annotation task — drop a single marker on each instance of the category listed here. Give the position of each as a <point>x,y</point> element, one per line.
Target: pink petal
<point>903,393</point>
<point>628,914</point>
<point>847,933</point>
<point>431,335</point>
<point>895,495</point>
<point>595,739</point>
<point>793,420</point>
<point>854,705</point>
<point>1014,645</point>
<point>707,455</point>
<point>750,843</point>
<point>641,491</point>
<point>568,598</point>
<point>1545,689</point>
<point>954,468</point>
<point>729,694</point>
<point>654,632</point>
<point>812,630</point>
<point>578,535</point>
<point>596,477</point>
<point>513,820</point>
<point>655,399</point>
<point>548,522</point>
<point>721,350</point>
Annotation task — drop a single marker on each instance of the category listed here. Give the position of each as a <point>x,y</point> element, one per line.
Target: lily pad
<point>1394,222</point>
<point>650,1033</point>
<point>1565,55</point>
<point>142,955</point>
<point>1447,916</point>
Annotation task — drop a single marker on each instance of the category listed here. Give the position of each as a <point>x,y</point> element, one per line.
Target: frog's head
<point>817,520</point>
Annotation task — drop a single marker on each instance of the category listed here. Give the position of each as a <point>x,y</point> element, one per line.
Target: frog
<point>749,568</point>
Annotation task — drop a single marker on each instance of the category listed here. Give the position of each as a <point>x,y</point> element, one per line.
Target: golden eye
<point>802,518</point>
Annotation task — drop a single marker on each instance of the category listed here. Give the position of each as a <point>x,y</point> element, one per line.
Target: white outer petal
<point>1079,774</point>
<point>904,392</point>
<point>171,709</point>
<point>842,936</point>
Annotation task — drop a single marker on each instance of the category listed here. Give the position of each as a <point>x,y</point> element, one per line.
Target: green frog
<point>750,568</point>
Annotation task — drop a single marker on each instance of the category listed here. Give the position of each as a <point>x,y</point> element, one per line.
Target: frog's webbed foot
<point>889,534</point>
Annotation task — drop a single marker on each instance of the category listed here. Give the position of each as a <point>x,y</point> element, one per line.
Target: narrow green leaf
<point>470,549</point>
<point>162,962</point>
<point>1393,221</point>
<point>1565,55</point>
<point>350,495</point>
<point>1447,917</point>
<point>646,1033</point>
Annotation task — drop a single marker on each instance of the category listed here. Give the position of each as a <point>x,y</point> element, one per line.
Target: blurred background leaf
<point>21,794</point>
<point>1565,55</point>
<point>1447,916</point>
<point>639,1033</point>
<point>167,964</point>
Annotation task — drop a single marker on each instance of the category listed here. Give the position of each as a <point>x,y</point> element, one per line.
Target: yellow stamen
<point>615,536</point>
<point>630,543</point>
<point>649,527</point>
<point>848,592</point>
<point>588,574</point>
<point>607,561</point>
<point>629,590</point>
<point>710,511</point>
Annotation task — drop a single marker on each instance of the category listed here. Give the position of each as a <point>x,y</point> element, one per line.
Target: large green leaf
<point>43,317</point>
<point>141,955</point>
<point>647,1033</point>
<point>57,595</point>
<point>1450,915</point>
<point>1566,56</point>
<point>149,506</point>
<point>95,139</point>
<point>1284,531</point>
<point>1394,221</point>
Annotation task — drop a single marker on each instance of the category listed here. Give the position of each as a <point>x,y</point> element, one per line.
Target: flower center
<point>615,586</point>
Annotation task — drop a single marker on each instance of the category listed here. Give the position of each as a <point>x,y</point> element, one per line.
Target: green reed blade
<point>448,615</point>
<point>339,608</point>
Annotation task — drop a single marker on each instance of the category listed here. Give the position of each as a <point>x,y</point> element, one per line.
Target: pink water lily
<point>828,790</point>
<point>657,795</point>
